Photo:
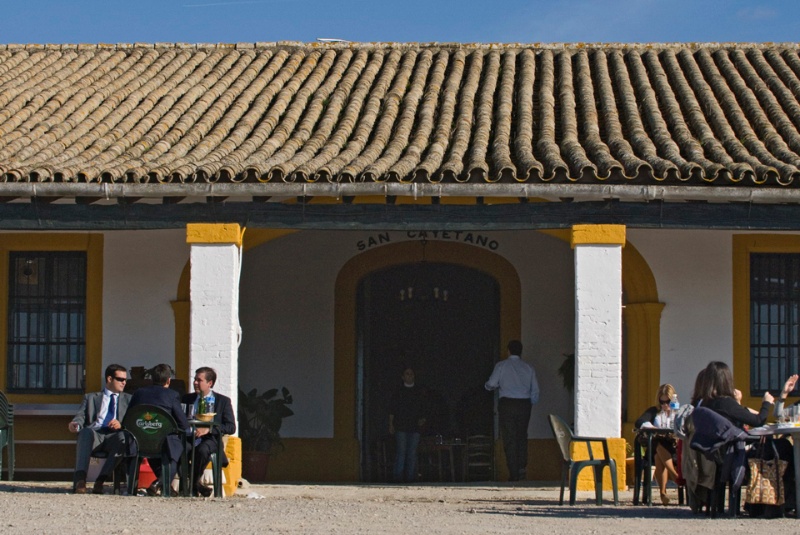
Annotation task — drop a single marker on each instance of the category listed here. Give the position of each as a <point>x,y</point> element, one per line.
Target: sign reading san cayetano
<point>471,238</point>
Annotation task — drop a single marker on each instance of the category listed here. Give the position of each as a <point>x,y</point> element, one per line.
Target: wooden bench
<point>25,416</point>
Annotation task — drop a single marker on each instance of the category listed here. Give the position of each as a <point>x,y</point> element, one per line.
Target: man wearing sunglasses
<point>98,426</point>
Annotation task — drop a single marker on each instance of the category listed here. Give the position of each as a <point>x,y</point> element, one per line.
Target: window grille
<point>46,322</point>
<point>774,315</point>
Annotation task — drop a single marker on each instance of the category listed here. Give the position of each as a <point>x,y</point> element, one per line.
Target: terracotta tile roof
<point>719,114</point>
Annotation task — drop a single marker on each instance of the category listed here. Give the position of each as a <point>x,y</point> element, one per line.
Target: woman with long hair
<point>665,453</point>
<point>718,394</point>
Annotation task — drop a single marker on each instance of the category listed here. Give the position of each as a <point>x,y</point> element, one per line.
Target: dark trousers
<point>514,417</point>
<point>156,466</point>
<point>93,441</point>
<point>202,456</point>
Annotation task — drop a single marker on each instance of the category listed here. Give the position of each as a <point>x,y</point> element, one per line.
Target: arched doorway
<point>443,321</point>
<point>347,418</point>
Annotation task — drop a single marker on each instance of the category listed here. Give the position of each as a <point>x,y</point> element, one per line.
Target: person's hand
<point>74,427</point>
<point>737,395</point>
<point>200,431</point>
<point>789,385</point>
<point>421,422</point>
<point>391,429</point>
<point>768,398</point>
<point>115,425</point>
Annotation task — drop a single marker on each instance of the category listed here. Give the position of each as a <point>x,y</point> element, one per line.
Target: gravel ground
<point>301,508</point>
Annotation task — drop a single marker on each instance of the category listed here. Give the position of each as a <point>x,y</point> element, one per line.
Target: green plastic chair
<point>565,438</point>
<point>7,435</point>
<point>148,427</point>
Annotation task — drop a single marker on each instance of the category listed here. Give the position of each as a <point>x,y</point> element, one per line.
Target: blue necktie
<point>112,409</point>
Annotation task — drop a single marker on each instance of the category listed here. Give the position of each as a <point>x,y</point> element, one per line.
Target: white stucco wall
<point>214,331</point>
<point>693,272</point>
<point>598,340</point>
<point>287,308</point>
<point>286,312</point>
<point>694,275</point>
<point>287,316</point>
<point>141,270</point>
<point>546,270</point>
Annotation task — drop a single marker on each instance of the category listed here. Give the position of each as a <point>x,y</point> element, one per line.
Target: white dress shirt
<point>515,378</point>
<point>101,414</point>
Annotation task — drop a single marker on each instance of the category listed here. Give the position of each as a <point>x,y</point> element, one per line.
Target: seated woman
<point>665,447</point>
<point>718,394</point>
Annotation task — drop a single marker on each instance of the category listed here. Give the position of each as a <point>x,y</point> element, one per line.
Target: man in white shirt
<point>98,426</point>
<point>519,390</point>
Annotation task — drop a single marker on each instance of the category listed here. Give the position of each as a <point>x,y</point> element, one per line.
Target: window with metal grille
<point>46,322</point>
<point>774,316</point>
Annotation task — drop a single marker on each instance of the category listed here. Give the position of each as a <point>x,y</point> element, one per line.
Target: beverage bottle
<point>674,405</point>
<point>201,406</point>
<point>210,402</point>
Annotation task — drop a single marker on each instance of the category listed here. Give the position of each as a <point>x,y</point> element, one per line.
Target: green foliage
<point>261,417</point>
<point>567,371</point>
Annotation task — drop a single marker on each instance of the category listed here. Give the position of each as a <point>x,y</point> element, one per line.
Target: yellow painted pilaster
<point>597,235</point>
<point>643,343</point>
<point>214,233</point>
<point>233,472</point>
<point>180,311</point>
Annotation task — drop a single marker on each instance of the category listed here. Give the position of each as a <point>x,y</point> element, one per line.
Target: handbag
<point>766,478</point>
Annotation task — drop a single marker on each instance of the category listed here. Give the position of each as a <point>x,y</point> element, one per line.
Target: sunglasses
<point>121,379</point>
<point>664,401</point>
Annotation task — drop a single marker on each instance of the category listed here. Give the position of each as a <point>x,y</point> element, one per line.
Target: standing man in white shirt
<point>519,390</point>
<point>99,429</point>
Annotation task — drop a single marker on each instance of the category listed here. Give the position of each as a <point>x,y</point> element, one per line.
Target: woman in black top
<point>665,450</point>
<point>718,394</point>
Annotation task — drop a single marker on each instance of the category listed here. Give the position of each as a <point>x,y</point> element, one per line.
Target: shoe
<point>203,490</point>
<point>664,498</point>
<point>98,487</point>
<point>80,487</point>
<point>154,489</point>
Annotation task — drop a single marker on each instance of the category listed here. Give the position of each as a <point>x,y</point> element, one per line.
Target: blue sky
<point>231,21</point>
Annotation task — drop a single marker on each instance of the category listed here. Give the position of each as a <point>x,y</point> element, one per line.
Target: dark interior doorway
<point>443,321</point>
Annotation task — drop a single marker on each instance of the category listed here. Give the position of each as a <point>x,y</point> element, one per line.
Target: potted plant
<point>567,373</point>
<point>260,420</point>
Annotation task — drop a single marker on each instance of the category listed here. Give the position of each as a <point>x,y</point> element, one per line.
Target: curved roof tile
<point>717,114</point>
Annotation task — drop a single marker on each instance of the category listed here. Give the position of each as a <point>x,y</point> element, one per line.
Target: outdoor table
<point>194,425</point>
<point>451,446</point>
<point>648,433</point>
<point>788,429</point>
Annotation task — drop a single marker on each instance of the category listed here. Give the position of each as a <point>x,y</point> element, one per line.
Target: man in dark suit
<point>98,426</point>
<point>160,395</point>
<point>206,441</point>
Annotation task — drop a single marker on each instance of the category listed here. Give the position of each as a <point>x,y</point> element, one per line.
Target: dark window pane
<point>774,305</point>
<point>47,322</point>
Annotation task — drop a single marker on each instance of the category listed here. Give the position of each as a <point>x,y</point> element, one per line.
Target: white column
<point>214,296</point>
<point>598,329</point>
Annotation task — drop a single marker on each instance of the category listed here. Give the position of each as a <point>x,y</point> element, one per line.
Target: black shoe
<point>154,489</point>
<point>80,487</point>
<point>203,490</point>
<point>98,487</point>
